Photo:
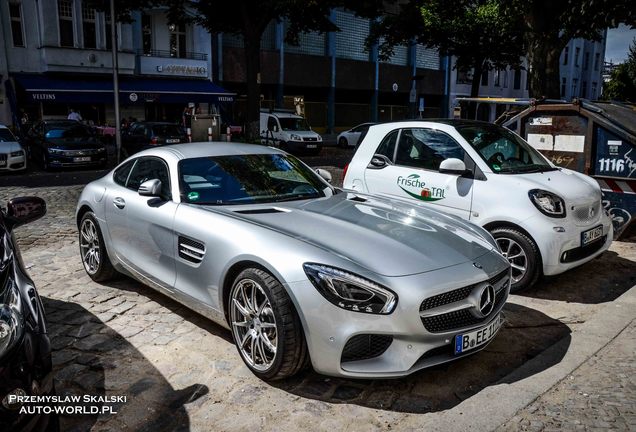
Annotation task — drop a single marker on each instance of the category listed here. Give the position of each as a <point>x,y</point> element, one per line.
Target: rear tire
<point>343,143</point>
<point>265,326</point>
<point>93,250</point>
<point>522,254</point>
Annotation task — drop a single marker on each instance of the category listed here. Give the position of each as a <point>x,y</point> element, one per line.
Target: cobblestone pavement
<point>599,395</point>
<point>180,371</point>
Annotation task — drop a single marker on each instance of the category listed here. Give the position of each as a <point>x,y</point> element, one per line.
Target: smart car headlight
<point>547,203</point>
<point>349,291</point>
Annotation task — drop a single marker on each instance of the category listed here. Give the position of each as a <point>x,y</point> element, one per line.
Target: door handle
<point>119,203</point>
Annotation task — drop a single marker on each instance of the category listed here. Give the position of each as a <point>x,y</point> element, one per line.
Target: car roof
<point>207,148</point>
<point>450,122</point>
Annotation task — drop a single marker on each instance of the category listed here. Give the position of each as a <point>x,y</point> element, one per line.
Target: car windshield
<point>167,130</point>
<point>246,179</point>
<point>68,131</point>
<point>293,124</point>
<point>6,135</point>
<point>503,151</point>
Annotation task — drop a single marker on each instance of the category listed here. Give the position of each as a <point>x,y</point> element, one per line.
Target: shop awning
<point>132,90</point>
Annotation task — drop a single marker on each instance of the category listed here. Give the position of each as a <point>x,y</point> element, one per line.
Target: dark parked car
<point>25,350</point>
<point>143,135</point>
<point>65,143</point>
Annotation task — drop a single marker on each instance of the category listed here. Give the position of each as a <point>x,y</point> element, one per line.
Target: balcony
<point>164,63</point>
<point>170,54</point>
<point>58,59</point>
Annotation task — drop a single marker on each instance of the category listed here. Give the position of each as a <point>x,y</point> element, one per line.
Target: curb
<point>498,403</point>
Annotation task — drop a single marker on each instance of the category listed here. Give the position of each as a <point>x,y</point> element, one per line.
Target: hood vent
<point>357,198</point>
<point>261,211</point>
<point>191,250</point>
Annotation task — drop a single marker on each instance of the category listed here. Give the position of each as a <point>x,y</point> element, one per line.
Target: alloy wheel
<point>253,324</point>
<point>89,246</point>
<point>516,256</point>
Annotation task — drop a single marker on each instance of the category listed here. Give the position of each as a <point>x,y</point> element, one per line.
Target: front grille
<point>3,158</point>
<point>191,250</point>
<point>310,139</point>
<point>461,318</point>
<point>365,346</point>
<point>587,213</point>
<point>582,252</point>
<point>84,152</point>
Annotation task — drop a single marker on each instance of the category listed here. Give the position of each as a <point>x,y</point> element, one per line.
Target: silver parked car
<point>299,271</point>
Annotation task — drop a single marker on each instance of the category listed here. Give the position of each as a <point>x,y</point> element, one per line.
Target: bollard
<point>229,134</point>
<point>189,132</point>
<point>209,134</point>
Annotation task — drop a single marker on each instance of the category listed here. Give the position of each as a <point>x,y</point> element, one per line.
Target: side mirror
<point>275,128</point>
<point>378,161</point>
<point>150,188</point>
<point>452,166</point>
<point>326,175</point>
<point>23,210</point>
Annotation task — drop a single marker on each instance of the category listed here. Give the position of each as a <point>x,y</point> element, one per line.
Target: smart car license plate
<point>82,159</point>
<point>173,141</point>
<point>592,234</point>
<point>311,146</point>
<point>469,341</point>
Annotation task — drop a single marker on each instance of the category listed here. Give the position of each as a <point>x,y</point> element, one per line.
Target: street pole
<point>113,38</point>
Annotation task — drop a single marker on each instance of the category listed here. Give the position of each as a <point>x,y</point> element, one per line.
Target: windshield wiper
<point>295,197</point>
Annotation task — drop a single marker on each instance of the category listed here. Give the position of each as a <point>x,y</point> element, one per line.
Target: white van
<point>289,131</point>
<point>545,219</point>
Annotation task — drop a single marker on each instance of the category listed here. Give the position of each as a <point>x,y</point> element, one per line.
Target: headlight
<point>17,153</point>
<point>295,137</point>
<point>101,150</point>
<point>350,291</point>
<point>319,138</point>
<point>11,321</point>
<point>547,203</point>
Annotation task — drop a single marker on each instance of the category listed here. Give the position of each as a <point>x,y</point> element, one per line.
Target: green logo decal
<point>193,196</point>
<point>496,167</point>
<point>425,193</point>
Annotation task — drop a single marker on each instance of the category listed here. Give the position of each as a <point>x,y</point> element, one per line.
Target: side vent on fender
<point>191,250</point>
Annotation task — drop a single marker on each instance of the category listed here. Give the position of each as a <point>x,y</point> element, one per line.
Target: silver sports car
<point>299,271</point>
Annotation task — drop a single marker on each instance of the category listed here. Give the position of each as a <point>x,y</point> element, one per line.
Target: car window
<point>6,135</point>
<point>121,174</point>
<point>166,130</point>
<point>426,148</point>
<point>271,122</point>
<point>387,146</point>
<point>149,168</point>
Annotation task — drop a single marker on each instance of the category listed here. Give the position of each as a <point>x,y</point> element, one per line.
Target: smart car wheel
<point>265,326</point>
<point>93,251</point>
<point>522,254</point>
<point>343,142</point>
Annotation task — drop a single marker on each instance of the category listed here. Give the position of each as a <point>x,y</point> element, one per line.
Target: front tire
<point>522,254</point>
<point>93,250</point>
<point>265,326</point>
<point>342,142</point>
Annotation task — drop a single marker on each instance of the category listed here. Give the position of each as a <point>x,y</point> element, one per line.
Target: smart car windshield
<point>503,151</point>
<point>245,179</point>
<point>293,124</point>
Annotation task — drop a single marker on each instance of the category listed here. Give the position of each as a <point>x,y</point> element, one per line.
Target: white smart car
<point>545,219</point>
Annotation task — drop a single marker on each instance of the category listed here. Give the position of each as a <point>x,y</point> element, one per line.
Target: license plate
<point>592,234</point>
<point>311,146</point>
<point>172,141</point>
<point>82,159</point>
<point>469,341</point>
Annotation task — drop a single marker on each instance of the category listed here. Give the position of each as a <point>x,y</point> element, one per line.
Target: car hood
<point>9,146</point>
<point>74,143</point>
<point>385,236</point>
<point>570,185</point>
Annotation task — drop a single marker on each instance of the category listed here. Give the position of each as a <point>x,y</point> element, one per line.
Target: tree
<point>476,32</point>
<point>622,84</point>
<point>549,25</point>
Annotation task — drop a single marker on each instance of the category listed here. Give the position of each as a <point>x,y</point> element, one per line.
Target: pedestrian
<point>74,115</point>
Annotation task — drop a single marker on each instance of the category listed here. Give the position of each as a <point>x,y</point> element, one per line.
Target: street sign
<point>421,107</point>
<point>413,96</point>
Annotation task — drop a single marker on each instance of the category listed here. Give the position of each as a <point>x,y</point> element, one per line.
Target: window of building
<point>484,78</point>
<point>564,82</point>
<point>517,80</point>
<point>505,79</point>
<point>597,60</point>
<point>497,78</point>
<point>464,76</point>
<point>107,27</point>
<point>565,55</point>
<point>584,89</point>
<point>593,92</point>
<point>146,33</point>
<point>577,51</point>
<point>527,81</point>
<point>89,28</point>
<point>177,40</point>
<point>65,15</point>
<point>17,32</point>
<point>575,83</point>
<point>586,62</point>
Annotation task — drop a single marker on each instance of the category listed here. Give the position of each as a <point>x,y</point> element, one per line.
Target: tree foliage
<point>622,84</point>
<point>476,32</point>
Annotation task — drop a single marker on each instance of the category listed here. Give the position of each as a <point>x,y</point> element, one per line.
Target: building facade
<point>56,55</point>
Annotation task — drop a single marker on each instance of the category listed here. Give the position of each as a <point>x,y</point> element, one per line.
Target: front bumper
<point>304,145</point>
<point>559,241</point>
<point>12,163</point>
<point>403,345</point>
<point>60,161</point>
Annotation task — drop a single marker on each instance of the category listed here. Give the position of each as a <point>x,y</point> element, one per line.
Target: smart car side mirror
<point>150,188</point>
<point>23,210</point>
<point>326,175</point>
<point>378,161</point>
<point>452,166</point>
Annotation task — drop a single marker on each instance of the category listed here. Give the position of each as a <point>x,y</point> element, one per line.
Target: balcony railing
<point>171,54</point>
